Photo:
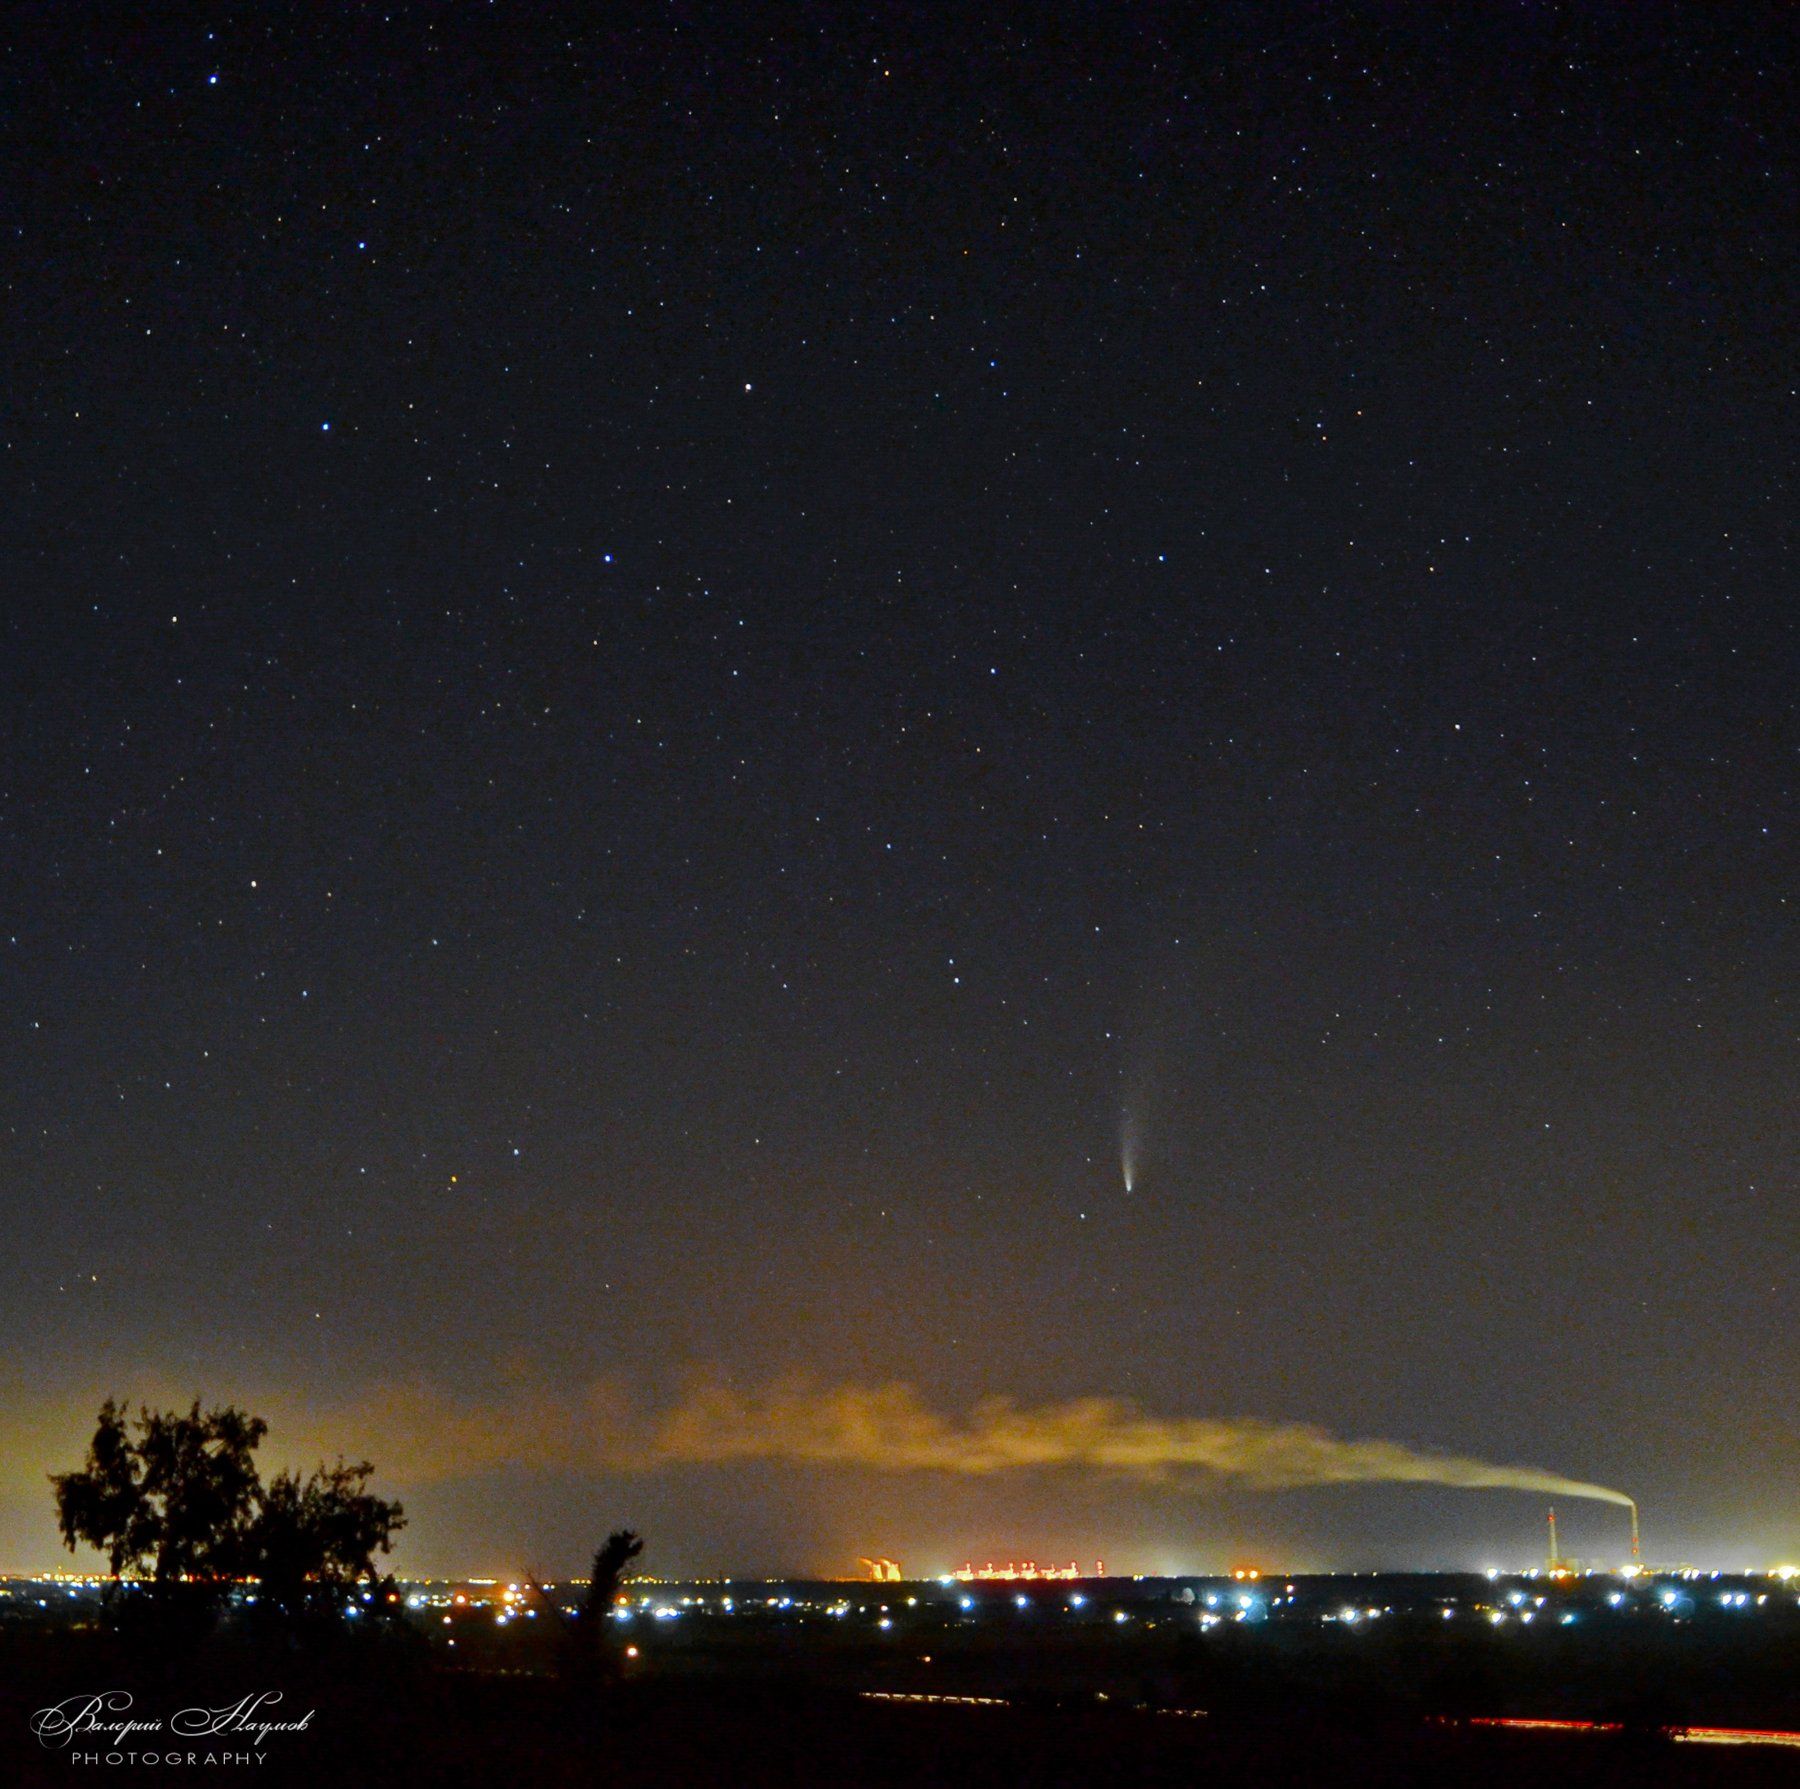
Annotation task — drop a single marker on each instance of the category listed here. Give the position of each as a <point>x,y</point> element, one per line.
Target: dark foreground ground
<point>1268,1710</point>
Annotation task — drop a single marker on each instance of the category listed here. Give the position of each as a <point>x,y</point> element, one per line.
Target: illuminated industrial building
<point>1027,1570</point>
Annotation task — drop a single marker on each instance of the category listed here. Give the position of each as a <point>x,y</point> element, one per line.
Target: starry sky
<point>673,679</point>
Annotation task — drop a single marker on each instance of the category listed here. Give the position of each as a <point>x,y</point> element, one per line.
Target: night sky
<point>671,683</point>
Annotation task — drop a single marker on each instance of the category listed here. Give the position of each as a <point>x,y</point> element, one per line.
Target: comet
<point>1131,1148</point>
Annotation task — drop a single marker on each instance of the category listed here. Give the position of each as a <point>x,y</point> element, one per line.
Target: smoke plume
<point>420,1434</point>
<point>891,1429</point>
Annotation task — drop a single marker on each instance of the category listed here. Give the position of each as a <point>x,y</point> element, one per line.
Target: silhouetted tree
<point>588,1654</point>
<point>170,1509</point>
<point>609,1571</point>
<point>181,1514</point>
<point>313,1542</point>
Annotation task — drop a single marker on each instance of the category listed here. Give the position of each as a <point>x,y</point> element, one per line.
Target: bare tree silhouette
<point>609,1570</point>
<point>590,1658</point>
